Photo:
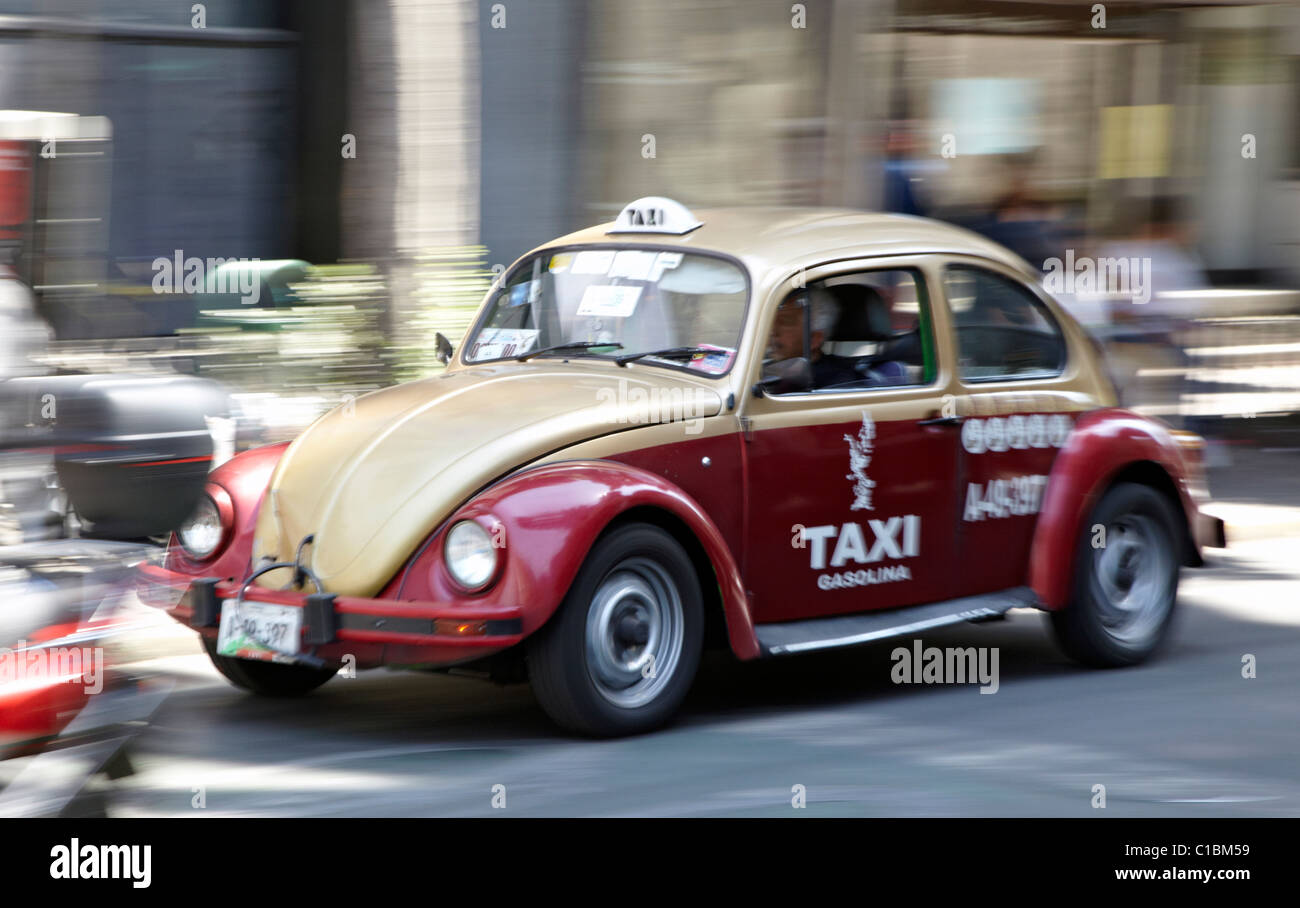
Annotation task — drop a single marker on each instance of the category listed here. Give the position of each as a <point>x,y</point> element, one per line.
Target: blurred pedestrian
<point>1148,336</point>
<point>1023,222</point>
<point>24,335</point>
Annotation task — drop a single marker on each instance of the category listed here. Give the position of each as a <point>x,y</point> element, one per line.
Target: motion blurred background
<point>406,149</point>
<point>370,166</point>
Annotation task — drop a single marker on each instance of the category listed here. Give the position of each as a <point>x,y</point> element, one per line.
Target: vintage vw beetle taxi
<point>778,430</point>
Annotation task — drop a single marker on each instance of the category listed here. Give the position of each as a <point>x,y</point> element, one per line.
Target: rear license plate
<point>259,630</point>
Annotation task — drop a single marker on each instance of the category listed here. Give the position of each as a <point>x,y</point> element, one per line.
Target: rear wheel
<point>1125,581</point>
<point>268,679</point>
<point>621,652</point>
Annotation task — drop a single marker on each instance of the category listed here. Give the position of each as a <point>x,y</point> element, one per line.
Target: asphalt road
<point>1184,735</point>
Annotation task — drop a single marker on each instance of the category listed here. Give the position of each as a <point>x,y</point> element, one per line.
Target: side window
<point>857,331</point>
<point>1003,329</point>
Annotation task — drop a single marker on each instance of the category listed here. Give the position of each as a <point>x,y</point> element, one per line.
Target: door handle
<point>940,421</point>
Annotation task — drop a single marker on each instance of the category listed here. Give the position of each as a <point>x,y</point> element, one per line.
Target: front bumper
<point>373,632</point>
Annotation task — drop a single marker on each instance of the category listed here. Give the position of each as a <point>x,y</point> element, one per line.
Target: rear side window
<point>1003,330</point>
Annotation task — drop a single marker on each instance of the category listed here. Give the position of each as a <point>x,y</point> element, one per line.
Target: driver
<point>786,342</point>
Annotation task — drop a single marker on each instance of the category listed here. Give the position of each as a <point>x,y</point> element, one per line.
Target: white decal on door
<point>860,449</point>
<point>1014,497</point>
<point>1015,432</point>
<point>851,542</point>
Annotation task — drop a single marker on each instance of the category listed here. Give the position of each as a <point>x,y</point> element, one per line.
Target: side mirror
<point>443,348</point>
<point>786,376</point>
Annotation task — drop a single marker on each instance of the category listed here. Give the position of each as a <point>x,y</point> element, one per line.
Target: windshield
<point>636,301</point>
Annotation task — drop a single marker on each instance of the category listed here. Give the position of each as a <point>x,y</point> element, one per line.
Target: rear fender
<point>1104,445</point>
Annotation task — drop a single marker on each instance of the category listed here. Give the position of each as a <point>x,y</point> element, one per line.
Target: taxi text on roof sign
<point>655,214</point>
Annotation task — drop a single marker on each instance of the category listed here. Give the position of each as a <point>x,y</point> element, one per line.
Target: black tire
<point>1124,592</point>
<point>638,598</point>
<point>268,679</point>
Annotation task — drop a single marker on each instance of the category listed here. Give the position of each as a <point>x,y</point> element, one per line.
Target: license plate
<point>259,630</point>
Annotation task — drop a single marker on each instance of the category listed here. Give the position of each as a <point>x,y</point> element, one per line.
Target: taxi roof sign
<point>655,214</point>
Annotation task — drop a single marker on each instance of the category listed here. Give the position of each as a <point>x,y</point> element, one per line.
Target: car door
<point>1018,401</point>
<point>851,491</point>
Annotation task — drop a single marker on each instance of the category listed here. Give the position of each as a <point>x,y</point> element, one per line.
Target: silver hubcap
<point>634,633</point>
<point>1133,578</point>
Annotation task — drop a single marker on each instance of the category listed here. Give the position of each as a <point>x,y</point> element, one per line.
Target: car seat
<point>863,332</point>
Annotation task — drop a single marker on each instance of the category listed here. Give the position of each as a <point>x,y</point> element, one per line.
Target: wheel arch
<point>1151,474</point>
<point>1108,446</point>
<point>554,514</point>
<point>715,626</point>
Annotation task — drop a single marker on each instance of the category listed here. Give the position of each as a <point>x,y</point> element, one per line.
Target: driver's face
<point>787,333</point>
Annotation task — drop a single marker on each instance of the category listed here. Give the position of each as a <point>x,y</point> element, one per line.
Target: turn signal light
<point>446,627</point>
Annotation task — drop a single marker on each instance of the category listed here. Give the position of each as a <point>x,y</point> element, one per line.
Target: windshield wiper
<point>666,353</point>
<point>571,345</point>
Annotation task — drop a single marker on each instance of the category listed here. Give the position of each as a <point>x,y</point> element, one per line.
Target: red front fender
<point>1104,444</point>
<point>244,479</point>
<point>549,519</point>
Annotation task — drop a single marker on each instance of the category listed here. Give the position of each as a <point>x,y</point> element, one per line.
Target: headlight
<point>201,533</point>
<point>471,558</point>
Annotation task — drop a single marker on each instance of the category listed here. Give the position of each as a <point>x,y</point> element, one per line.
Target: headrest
<point>864,314</point>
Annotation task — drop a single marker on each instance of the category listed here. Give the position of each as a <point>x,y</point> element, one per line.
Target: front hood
<point>372,478</point>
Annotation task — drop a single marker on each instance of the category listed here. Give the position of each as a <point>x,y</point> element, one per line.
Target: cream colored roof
<point>786,239</point>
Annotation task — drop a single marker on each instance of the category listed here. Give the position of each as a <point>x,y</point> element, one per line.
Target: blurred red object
<point>33,708</point>
<point>15,188</point>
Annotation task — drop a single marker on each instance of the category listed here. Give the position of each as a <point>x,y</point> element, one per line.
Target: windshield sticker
<point>593,261</point>
<point>560,263</point>
<point>633,264</point>
<point>609,302</point>
<point>713,362</point>
<point>665,262</point>
<point>519,294</point>
<point>496,343</point>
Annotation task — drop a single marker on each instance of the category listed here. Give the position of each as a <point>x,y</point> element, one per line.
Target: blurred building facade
<point>584,104</point>
<point>204,119</point>
<point>502,123</point>
<point>217,139</point>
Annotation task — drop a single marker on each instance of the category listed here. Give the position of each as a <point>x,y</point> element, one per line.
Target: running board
<point>847,630</point>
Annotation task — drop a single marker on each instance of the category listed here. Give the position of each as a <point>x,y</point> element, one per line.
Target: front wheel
<point>268,679</point>
<point>1126,579</point>
<point>621,652</point>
